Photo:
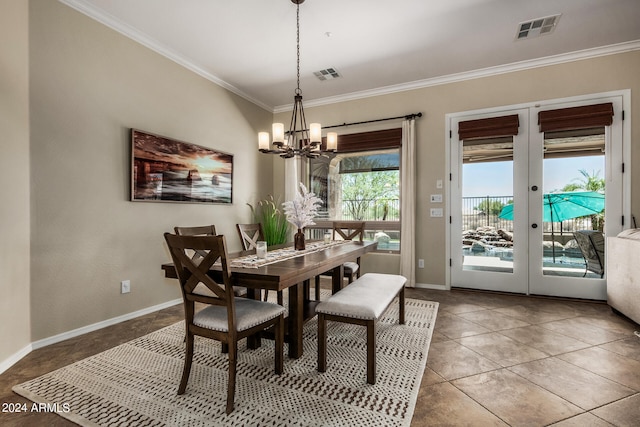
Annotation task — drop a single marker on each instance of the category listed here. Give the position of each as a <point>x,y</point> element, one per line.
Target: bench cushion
<point>366,298</point>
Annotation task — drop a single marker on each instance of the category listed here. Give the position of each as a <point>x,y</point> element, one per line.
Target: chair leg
<point>231,387</point>
<point>401,319</point>
<point>317,288</point>
<point>188,358</point>
<point>322,343</point>
<point>279,368</point>
<point>371,351</point>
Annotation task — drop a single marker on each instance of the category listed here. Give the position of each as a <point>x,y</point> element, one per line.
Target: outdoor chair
<point>346,230</point>
<point>591,244</point>
<point>225,318</point>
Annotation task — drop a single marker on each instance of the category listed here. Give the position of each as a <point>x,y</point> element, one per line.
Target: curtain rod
<point>407,117</point>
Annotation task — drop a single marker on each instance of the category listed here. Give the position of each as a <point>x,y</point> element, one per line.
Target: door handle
<point>534,225</point>
<point>534,188</point>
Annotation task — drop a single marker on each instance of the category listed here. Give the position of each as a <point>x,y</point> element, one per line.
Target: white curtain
<point>408,202</point>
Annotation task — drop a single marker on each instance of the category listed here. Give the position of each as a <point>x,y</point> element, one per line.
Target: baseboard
<point>109,322</point>
<point>7,363</point>
<point>15,358</point>
<point>430,286</point>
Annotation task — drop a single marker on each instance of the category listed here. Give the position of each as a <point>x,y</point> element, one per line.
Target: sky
<point>496,178</point>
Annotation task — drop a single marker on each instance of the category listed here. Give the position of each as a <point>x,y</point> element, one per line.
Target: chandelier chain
<point>298,91</point>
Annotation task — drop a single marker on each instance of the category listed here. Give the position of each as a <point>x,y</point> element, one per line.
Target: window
<point>361,182</point>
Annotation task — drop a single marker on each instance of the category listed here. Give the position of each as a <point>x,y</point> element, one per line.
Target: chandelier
<point>299,140</point>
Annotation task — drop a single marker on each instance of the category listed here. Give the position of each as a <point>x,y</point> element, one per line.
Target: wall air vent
<point>537,27</point>
<point>327,74</point>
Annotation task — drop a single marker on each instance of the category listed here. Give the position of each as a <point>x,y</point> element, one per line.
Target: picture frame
<point>167,170</point>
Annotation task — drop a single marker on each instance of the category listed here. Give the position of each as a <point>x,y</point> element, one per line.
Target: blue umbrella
<point>558,207</point>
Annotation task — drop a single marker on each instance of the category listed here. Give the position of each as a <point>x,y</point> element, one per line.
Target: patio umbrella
<point>558,207</point>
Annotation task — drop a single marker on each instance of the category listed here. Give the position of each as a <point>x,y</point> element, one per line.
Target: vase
<point>298,240</point>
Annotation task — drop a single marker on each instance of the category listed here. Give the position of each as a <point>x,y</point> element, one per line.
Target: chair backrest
<point>349,230</point>
<point>250,234</point>
<point>591,244</point>
<point>191,272</point>
<point>201,230</point>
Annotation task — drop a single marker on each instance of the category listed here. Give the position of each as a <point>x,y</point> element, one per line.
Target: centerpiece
<point>300,212</point>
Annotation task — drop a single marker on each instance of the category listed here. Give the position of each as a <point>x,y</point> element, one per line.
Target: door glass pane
<point>573,203</point>
<point>487,193</point>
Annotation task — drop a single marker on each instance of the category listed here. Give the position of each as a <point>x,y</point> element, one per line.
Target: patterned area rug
<point>135,383</point>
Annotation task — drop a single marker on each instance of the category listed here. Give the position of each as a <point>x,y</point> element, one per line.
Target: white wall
<point>89,86</point>
<point>15,333</point>
<point>597,75</point>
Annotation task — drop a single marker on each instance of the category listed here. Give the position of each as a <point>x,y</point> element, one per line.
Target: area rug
<point>135,384</point>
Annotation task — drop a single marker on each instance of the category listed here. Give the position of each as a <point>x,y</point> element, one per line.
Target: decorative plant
<point>303,208</point>
<point>274,222</point>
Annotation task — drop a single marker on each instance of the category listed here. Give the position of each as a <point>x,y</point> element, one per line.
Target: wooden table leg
<point>253,341</point>
<point>336,278</point>
<point>295,320</point>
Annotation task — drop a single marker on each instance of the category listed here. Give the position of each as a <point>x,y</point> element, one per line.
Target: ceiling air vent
<point>537,27</point>
<point>327,74</point>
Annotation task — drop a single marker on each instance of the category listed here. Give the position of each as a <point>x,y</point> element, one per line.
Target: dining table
<point>288,269</point>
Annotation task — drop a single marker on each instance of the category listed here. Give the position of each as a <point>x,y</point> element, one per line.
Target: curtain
<point>408,202</point>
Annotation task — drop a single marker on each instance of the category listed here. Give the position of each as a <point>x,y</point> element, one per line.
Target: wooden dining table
<point>294,274</point>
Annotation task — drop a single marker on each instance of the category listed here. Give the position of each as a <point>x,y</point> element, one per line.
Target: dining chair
<point>345,230</point>
<point>205,230</point>
<point>250,235</point>
<point>225,318</point>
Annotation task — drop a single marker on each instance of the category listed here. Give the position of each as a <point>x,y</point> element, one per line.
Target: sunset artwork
<point>167,170</point>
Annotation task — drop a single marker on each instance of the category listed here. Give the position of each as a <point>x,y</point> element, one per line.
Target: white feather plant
<point>303,208</point>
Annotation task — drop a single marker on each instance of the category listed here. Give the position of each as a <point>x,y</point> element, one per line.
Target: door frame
<point>625,192</point>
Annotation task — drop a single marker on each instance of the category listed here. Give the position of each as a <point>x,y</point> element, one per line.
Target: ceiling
<point>378,46</point>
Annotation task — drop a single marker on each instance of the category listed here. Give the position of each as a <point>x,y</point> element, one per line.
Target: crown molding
<point>459,77</point>
<point>142,38</point>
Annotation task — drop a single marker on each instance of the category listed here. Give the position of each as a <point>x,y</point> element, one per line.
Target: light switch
<point>436,212</point>
<point>439,183</point>
<point>436,198</point>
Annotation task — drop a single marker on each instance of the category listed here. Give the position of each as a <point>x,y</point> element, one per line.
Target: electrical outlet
<point>125,286</point>
<point>420,263</point>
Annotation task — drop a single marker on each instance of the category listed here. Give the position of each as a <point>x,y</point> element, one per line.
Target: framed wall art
<point>167,170</point>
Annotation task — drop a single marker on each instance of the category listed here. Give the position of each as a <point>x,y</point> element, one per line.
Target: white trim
<point>431,286</point>
<point>103,324</point>
<point>15,358</point>
<point>142,38</point>
<point>470,75</point>
<point>9,362</point>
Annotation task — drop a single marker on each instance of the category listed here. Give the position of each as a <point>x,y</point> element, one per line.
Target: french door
<point>513,191</point>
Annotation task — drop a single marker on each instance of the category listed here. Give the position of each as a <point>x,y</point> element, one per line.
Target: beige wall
<point>89,86</point>
<point>603,74</point>
<point>14,175</point>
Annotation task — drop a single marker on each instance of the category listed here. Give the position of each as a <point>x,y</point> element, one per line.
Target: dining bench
<point>360,303</point>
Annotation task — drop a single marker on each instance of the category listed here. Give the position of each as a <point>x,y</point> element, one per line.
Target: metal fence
<point>368,210</point>
<point>484,211</point>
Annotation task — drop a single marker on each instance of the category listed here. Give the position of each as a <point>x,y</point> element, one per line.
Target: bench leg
<point>371,351</point>
<point>401,301</point>
<point>322,343</point>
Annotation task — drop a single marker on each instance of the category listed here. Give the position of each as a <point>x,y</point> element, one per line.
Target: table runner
<point>276,255</point>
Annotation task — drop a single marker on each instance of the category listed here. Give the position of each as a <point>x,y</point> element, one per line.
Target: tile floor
<point>494,360</point>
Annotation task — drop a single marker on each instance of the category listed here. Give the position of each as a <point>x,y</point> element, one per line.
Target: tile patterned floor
<point>495,360</point>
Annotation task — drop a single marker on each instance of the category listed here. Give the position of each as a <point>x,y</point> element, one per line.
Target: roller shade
<point>589,116</point>
<point>493,127</point>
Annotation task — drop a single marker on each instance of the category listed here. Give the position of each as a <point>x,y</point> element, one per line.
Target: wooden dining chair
<point>250,235</point>
<point>225,318</point>
<point>345,230</point>
<point>205,230</point>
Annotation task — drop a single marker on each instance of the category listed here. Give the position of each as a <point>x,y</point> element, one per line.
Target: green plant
<point>274,223</point>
